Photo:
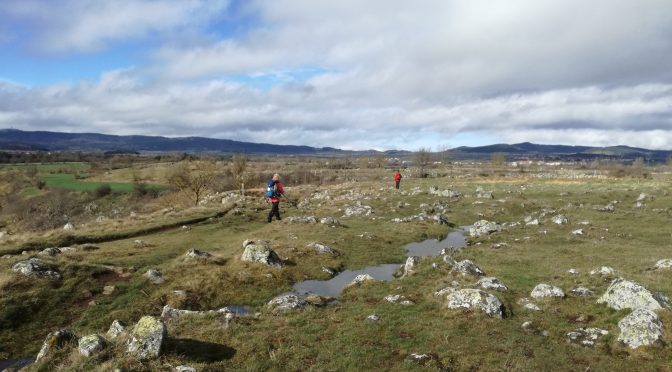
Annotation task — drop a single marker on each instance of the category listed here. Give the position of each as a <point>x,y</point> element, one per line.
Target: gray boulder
<point>196,254</point>
<point>492,283</point>
<point>302,219</point>
<point>323,248</point>
<point>287,302</point>
<point>56,340</point>
<point>586,337</point>
<point>185,369</point>
<point>446,193</point>
<point>359,279</point>
<point>545,290</point>
<point>467,267</point>
<point>641,328</point>
<point>330,221</point>
<point>603,271</point>
<point>91,344</point>
<point>475,299</point>
<point>484,194</point>
<point>146,338</point>
<point>483,227</point>
<point>624,294</point>
<point>35,268</point>
<point>116,329</point>
<point>261,252</point>
<point>51,252</point>
<point>582,292</point>
<point>664,264</point>
<point>560,219</point>
<point>409,266</point>
<point>154,276</point>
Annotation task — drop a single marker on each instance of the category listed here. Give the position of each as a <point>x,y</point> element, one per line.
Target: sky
<point>351,74</point>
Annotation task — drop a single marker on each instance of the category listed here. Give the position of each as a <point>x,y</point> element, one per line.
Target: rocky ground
<point>558,274</point>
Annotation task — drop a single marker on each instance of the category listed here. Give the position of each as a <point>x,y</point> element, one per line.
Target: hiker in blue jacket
<point>274,192</point>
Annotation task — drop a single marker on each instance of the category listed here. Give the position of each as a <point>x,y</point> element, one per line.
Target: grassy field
<point>338,337</point>
<point>68,181</point>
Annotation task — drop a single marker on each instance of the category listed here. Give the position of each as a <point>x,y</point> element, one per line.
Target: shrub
<point>102,190</point>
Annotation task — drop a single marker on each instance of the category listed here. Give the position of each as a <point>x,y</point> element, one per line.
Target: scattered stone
<point>56,340</point>
<point>421,359</point>
<point>52,252</point>
<point>449,260</point>
<point>586,337</point>
<point>409,266</point>
<point>91,344</point>
<point>302,219</point>
<point>146,338</point>
<point>69,226</point>
<point>109,289</point>
<point>532,307</point>
<point>582,292</point>
<point>466,267</point>
<point>484,227</point>
<point>330,221</point>
<point>35,268</point>
<point>373,318</point>
<point>534,222</point>
<point>624,294</point>
<point>449,193</point>
<point>545,290</point>
<point>262,253</point>
<point>398,299</point>
<point>475,299</point>
<point>527,325</point>
<point>664,264</point>
<point>578,232</point>
<point>573,272</point>
<point>642,197</point>
<point>67,249</point>
<point>154,276</point>
<point>603,271</point>
<point>359,279</point>
<point>607,208</point>
<point>116,329</point>
<point>499,245</point>
<point>287,302</point>
<point>323,249</point>
<point>329,271</point>
<point>317,300</point>
<point>641,328</point>
<point>139,243</point>
<point>560,219</point>
<point>169,312</point>
<point>492,283</point>
<point>185,369</point>
<point>196,254</point>
<point>358,210</point>
<point>483,194</point>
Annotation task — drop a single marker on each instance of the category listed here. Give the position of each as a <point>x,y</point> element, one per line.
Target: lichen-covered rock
<point>185,369</point>
<point>116,329</point>
<point>641,328</point>
<point>35,268</point>
<point>154,276</point>
<point>484,227</point>
<point>449,193</point>
<point>146,338</point>
<point>578,232</point>
<point>582,292</point>
<point>624,294</point>
<point>560,219</point>
<point>91,344</point>
<point>398,299</point>
<point>287,302</point>
<point>545,290</point>
<point>425,360</point>
<point>475,299</point>
<point>69,226</point>
<point>603,271</point>
<point>196,254</point>
<point>330,221</point>
<point>323,249</point>
<point>52,252</point>
<point>302,219</point>
<point>586,337</point>
<point>409,266</point>
<point>492,283</point>
<point>664,264</point>
<point>358,210</point>
<point>56,340</point>
<point>466,267</point>
<point>484,194</point>
<point>359,279</point>
<point>261,252</point>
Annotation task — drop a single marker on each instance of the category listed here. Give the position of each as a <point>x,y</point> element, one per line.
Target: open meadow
<point>127,253</point>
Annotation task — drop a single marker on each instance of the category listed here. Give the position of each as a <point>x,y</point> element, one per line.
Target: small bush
<point>102,190</point>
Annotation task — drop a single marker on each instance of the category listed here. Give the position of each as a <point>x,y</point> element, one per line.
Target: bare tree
<point>238,168</point>
<point>498,159</point>
<point>194,178</point>
<point>422,159</point>
<point>379,160</point>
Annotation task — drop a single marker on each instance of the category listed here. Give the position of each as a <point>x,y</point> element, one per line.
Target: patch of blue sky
<point>268,79</point>
<point>235,23</point>
<point>35,70</point>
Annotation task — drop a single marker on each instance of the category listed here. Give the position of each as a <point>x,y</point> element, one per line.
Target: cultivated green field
<point>339,337</point>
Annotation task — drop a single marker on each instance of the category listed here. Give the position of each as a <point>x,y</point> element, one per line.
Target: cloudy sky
<point>351,74</point>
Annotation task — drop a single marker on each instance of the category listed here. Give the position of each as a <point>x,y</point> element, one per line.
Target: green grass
<point>338,337</point>
<point>69,182</point>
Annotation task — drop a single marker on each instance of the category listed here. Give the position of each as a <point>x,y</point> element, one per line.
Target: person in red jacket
<point>275,198</point>
<point>397,179</point>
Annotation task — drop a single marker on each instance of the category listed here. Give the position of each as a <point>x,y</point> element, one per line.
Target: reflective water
<point>334,286</point>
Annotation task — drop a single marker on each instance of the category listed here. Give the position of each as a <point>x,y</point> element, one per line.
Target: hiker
<point>397,179</point>
<point>274,192</point>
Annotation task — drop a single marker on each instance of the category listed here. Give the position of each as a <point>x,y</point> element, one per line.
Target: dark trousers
<point>396,184</point>
<point>275,211</point>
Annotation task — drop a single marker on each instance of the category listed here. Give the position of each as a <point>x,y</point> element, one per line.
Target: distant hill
<point>18,140</point>
<point>13,139</point>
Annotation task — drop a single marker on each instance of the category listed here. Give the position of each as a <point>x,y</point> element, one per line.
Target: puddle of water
<point>239,310</point>
<point>16,363</point>
<point>334,286</point>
